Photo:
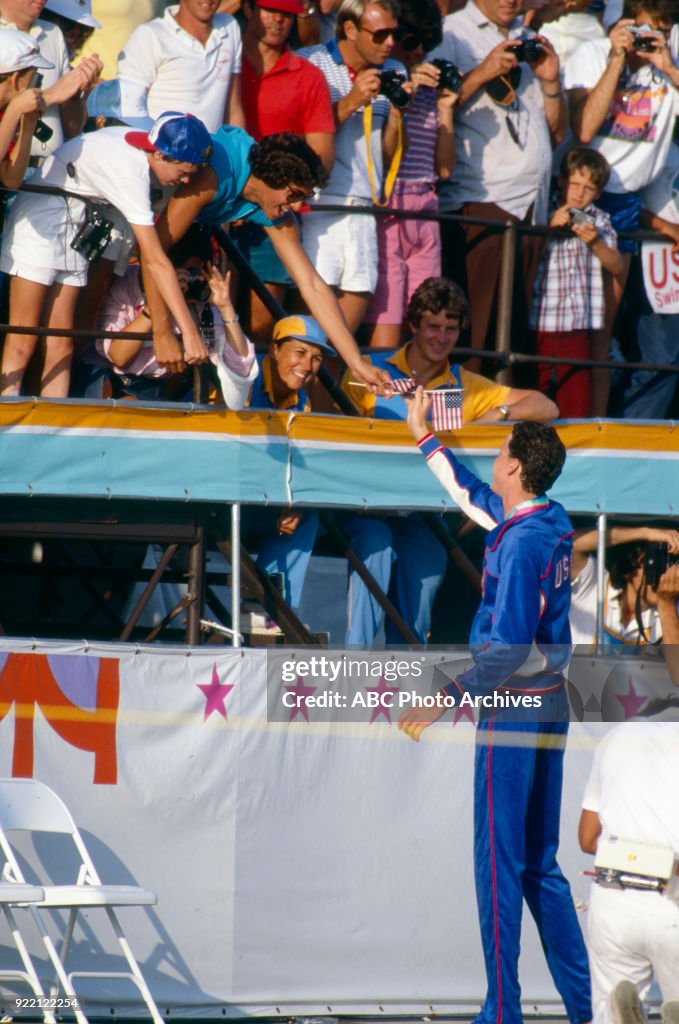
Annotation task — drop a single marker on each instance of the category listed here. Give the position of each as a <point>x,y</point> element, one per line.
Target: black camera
<point>657,561</point>
<point>528,50</point>
<point>391,86</point>
<point>198,290</point>
<point>450,77</point>
<point>644,40</point>
<point>93,235</point>
<point>42,132</point>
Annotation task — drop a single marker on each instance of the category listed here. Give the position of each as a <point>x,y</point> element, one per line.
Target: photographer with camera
<point>568,301</point>
<point>369,92</point>
<point>641,589</point>
<point>623,101</point>
<point>510,112</point>
<point>126,367</point>
<point>410,250</point>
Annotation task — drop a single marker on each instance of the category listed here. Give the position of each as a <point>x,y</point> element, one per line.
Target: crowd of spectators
<point>556,117</point>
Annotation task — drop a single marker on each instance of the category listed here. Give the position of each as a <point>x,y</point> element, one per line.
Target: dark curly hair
<point>622,562</point>
<point>438,295</point>
<point>287,159</point>
<point>422,19</point>
<point>541,453</point>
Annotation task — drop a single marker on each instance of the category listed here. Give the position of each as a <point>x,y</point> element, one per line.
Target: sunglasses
<point>295,196</point>
<point>410,40</point>
<point>380,35</point>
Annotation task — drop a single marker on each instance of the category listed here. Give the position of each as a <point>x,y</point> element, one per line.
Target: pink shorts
<point>409,252</point>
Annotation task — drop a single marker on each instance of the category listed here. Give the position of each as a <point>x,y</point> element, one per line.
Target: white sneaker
<point>625,1004</point>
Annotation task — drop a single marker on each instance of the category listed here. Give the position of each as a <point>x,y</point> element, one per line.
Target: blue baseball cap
<point>180,137</point>
<point>305,328</point>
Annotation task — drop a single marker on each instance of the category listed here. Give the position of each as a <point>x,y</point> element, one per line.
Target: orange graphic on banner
<point>27,682</point>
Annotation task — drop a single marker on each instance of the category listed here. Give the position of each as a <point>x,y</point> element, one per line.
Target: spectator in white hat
<point>74,18</point>
<point>20,104</point>
<point>63,86</point>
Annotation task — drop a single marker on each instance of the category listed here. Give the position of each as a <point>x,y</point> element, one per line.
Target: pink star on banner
<point>464,712</point>
<point>300,690</point>
<point>631,701</point>
<point>380,690</point>
<point>215,695</point>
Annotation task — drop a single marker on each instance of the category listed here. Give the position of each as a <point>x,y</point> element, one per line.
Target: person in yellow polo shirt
<point>400,551</point>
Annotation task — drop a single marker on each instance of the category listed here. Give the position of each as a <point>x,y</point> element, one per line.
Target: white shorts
<point>36,244</point>
<point>343,249</point>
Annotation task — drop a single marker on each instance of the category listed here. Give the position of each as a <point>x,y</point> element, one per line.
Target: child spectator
<point>127,367</point>
<point>410,250</point>
<point>568,298</point>
<point>20,105</point>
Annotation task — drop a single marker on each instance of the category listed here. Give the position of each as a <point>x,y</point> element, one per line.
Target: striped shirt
<point>568,293</point>
<point>423,122</point>
<point>349,175</point>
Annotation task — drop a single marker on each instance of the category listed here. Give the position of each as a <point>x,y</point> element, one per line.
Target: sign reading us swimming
<point>661,276</point>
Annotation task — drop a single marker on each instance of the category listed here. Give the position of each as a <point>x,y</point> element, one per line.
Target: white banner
<point>661,276</point>
<point>301,866</point>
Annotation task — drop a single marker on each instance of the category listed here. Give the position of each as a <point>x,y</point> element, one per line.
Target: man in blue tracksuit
<point>520,645</point>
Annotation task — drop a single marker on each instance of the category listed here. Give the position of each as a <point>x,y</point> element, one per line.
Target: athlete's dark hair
<point>438,295</point>
<point>664,10</point>
<point>622,562</point>
<point>287,159</point>
<point>541,453</point>
<point>580,158</point>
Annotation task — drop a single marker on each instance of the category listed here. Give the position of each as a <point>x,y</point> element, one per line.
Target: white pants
<point>633,936</point>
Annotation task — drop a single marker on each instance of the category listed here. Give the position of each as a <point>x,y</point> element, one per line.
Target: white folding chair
<point>29,806</point>
<point>13,895</point>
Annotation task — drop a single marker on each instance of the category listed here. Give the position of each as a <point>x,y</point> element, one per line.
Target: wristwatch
<point>504,410</point>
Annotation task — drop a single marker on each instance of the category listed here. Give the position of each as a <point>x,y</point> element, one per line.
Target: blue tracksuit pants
<point>517,806</point>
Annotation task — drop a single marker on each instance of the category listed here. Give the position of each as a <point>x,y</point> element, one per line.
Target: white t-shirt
<point>177,72</point>
<point>662,195</point>
<point>504,154</point>
<point>582,615</point>
<point>102,165</point>
<point>636,135</point>
<point>53,47</point>
<point>633,783</point>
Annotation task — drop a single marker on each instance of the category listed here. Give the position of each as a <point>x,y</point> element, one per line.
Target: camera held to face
<point>450,77</point>
<point>391,86</point>
<point>645,40</point>
<point>528,50</point>
<point>657,561</point>
<point>198,290</point>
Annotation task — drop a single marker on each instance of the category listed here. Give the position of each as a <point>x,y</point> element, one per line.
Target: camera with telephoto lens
<point>93,235</point>
<point>657,561</point>
<point>198,290</point>
<point>391,86</point>
<point>42,132</point>
<point>645,41</point>
<point>528,50</point>
<point>450,77</point>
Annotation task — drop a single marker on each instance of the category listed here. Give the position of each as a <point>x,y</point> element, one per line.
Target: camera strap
<point>390,179</point>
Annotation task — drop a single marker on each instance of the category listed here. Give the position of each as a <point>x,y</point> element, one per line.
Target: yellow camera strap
<point>395,160</point>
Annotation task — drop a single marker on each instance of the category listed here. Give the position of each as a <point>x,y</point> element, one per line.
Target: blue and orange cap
<point>305,328</point>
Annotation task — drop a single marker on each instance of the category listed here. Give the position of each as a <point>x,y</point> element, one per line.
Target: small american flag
<point>404,385</point>
<point>446,408</point>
